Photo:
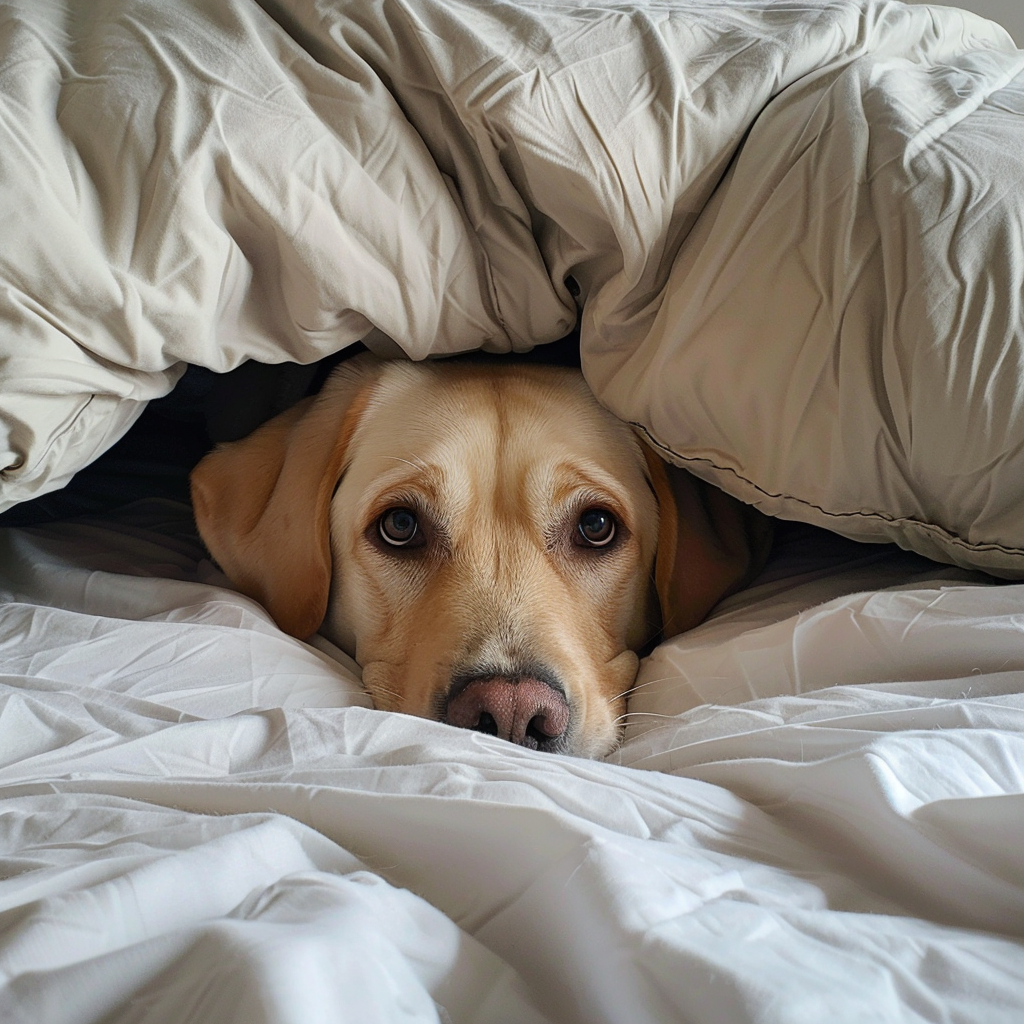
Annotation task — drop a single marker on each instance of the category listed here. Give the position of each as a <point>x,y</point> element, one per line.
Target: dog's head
<point>482,539</point>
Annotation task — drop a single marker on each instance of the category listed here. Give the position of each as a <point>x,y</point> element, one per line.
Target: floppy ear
<point>262,504</point>
<point>709,545</point>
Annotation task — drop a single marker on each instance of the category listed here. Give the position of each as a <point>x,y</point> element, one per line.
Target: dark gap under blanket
<point>156,456</point>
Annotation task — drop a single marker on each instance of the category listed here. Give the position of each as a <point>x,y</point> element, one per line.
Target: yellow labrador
<point>490,544</point>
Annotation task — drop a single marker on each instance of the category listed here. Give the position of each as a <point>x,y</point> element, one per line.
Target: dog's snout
<point>526,711</point>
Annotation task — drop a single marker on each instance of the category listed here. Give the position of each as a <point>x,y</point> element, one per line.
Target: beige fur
<point>499,595</point>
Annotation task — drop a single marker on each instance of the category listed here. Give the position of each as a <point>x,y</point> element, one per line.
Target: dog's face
<point>482,539</point>
<point>493,537</point>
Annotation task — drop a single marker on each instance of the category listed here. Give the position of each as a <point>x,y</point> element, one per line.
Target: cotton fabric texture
<point>795,231</point>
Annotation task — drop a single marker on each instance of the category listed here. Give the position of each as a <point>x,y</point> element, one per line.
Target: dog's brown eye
<point>398,527</point>
<point>596,528</point>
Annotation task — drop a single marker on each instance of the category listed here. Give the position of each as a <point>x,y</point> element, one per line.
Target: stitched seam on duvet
<point>879,516</point>
<point>27,468</point>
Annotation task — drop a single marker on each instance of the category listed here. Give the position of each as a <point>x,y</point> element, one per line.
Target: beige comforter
<point>795,230</point>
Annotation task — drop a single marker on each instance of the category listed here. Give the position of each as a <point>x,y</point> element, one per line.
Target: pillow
<point>841,340</point>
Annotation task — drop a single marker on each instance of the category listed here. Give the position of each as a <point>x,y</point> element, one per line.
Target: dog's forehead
<point>530,419</point>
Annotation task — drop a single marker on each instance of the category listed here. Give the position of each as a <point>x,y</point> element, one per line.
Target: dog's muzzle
<point>526,710</point>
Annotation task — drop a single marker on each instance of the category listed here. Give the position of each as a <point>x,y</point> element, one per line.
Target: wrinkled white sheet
<point>195,827</point>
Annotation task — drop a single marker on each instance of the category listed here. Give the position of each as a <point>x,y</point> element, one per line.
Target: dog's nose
<point>526,711</point>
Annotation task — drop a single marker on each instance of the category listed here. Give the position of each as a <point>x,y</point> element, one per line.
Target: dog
<point>490,544</point>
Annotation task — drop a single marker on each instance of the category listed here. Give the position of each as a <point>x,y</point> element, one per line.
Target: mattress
<point>816,813</point>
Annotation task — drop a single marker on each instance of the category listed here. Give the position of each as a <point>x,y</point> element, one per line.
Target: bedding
<point>791,239</point>
<point>791,232</point>
<point>815,815</point>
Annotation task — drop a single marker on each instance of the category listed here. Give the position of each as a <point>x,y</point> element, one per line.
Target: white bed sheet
<point>199,822</point>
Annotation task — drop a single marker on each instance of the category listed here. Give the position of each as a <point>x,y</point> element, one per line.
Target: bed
<point>790,238</point>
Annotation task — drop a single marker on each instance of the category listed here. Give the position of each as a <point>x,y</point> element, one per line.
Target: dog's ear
<point>709,545</point>
<point>262,504</point>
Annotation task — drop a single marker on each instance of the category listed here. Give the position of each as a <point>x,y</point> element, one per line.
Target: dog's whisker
<point>640,686</point>
<point>378,692</point>
<point>621,719</point>
<point>654,682</point>
<point>619,696</point>
<point>655,638</point>
<point>387,691</point>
